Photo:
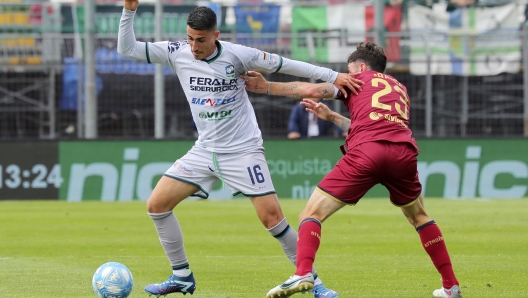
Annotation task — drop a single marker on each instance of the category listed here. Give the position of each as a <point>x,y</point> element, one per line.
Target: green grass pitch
<point>52,249</point>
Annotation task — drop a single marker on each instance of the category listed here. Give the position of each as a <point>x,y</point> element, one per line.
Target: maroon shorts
<point>394,165</point>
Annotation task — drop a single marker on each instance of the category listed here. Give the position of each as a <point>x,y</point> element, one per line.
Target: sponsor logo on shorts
<point>230,71</point>
<point>183,169</point>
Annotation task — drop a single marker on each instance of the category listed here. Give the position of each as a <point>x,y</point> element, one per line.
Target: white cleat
<point>454,292</point>
<point>294,284</point>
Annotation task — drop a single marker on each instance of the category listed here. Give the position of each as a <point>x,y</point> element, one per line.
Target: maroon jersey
<point>380,112</point>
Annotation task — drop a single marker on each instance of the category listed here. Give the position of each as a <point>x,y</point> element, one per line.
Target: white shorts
<point>243,173</point>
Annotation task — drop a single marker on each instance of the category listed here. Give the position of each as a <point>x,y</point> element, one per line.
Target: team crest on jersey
<point>230,71</point>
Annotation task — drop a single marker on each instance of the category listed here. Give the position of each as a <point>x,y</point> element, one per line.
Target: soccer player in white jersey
<point>229,146</point>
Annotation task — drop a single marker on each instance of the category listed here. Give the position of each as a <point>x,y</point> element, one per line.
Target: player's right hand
<point>131,4</point>
<point>255,82</point>
<point>346,81</point>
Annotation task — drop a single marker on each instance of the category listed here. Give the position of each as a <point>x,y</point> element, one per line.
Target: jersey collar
<point>219,52</point>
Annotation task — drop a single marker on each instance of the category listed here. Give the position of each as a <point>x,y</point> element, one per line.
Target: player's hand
<point>318,109</point>
<point>346,81</point>
<point>255,82</point>
<point>131,4</point>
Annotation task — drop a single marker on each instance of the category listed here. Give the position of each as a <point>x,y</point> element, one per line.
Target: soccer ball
<point>112,280</point>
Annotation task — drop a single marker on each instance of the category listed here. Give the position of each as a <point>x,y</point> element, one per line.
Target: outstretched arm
<point>255,82</point>
<point>323,112</point>
<point>131,4</point>
<point>129,47</point>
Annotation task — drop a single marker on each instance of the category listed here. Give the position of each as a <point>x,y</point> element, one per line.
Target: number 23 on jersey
<point>402,107</point>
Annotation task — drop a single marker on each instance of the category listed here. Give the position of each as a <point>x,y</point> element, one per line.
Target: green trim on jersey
<point>147,51</point>
<point>280,65</point>
<point>255,195</point>
<point>190,182</point>
<point>219,47</point>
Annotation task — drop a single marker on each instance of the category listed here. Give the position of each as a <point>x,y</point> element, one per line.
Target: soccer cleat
<point>174,284</point>
<point>320,291</point>
<point>294,284</point>
<point>454,292</point>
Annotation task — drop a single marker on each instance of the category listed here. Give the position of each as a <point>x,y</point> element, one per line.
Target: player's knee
<point>151,206</point>
<point>157,206</point>
<point>271,221</point>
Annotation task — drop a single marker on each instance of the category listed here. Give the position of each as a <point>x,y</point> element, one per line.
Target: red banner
<point>392,21</point>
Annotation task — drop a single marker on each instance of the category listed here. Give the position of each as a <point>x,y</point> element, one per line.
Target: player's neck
<point>215,52</point>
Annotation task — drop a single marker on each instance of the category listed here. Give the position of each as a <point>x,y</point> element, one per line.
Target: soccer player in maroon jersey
<point>379,149</point>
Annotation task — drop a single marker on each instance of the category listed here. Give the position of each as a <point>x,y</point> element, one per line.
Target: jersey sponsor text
<point>212,116</point>
<point>212,85</point>
<point>212,102</point>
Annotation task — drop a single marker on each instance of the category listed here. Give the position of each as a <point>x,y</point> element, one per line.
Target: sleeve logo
<point>174,46</point>
<point>268,58</point>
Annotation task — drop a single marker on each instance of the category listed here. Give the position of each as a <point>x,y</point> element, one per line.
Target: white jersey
<point>216,94</point>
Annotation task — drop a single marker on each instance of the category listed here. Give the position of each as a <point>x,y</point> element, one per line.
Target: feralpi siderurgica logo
<point>212,84</point>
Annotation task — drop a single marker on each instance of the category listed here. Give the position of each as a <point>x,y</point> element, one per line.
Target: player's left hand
<point>317,108</point>
<point>346,81</point>
<point>255,82</point>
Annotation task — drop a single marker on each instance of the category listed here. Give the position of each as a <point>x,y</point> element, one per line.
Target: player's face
<point>202,42</point>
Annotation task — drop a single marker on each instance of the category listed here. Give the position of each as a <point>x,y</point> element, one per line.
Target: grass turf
<point>51,249</point>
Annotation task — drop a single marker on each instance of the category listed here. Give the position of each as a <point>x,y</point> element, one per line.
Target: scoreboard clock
<point>29,171</point>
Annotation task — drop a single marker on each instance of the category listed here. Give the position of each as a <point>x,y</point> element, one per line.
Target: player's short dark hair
<point>202,18</point>
<point>371,54</point>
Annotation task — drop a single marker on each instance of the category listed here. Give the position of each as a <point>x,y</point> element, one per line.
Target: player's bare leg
<point>434,245</point>
<point>318,208</point>
<point>166,195</point>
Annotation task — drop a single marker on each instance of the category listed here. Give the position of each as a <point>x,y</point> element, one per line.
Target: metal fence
<point>40,92</point>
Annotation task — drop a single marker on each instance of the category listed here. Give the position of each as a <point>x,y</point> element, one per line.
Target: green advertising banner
<point>124,171</point>
<point>115,170</point>
<point>474,168</point>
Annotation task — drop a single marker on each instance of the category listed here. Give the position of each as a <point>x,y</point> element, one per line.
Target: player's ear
<point>362,67</point>
<point>216,34</point>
